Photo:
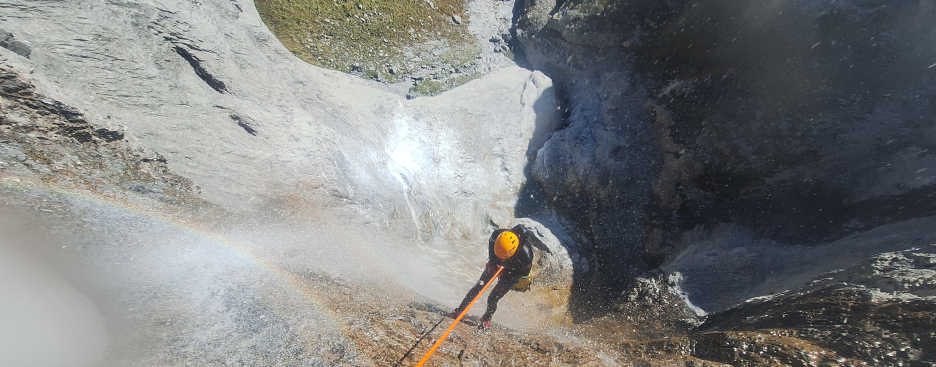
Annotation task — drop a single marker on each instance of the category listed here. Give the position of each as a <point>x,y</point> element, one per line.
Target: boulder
<point>554,266</point>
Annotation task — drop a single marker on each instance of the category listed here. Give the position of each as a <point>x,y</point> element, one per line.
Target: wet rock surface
<point>704,154</point>
<point>49,141</point>
<point>304,138</point>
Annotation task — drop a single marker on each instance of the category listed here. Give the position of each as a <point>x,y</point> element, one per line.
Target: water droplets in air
<point>407,156</point>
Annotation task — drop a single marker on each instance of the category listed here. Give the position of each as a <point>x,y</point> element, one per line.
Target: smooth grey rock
<point>553,262</point>
<point>431,166</point>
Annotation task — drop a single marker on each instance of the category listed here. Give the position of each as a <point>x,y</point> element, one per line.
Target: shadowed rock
<point>9,42</point>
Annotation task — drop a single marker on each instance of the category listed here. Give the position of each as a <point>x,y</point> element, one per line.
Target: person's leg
<point>485,276</point>
<point>503,286</point>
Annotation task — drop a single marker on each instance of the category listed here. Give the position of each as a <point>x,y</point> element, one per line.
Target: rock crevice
<point>200,70</point>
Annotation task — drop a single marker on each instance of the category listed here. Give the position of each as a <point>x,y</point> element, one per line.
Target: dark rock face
<point>652,308</point>
<point>805,122</point>
<point>801,121</point>
<point>882,311</point>
<point>848,321</point>
<point>879,312</point>
<point>598,170</point>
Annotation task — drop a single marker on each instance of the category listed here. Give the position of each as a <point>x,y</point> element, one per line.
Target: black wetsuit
<point>515,267</point>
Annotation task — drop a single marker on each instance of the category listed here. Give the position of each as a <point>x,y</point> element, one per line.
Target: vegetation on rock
<point>384,40</point>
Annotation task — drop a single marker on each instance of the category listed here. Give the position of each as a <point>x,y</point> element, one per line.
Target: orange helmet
<point>506,245</point>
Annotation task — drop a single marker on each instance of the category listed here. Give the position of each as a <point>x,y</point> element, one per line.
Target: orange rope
<point>457,319</point>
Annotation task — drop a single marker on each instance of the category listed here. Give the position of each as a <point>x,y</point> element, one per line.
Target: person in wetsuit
<point>512,249</point>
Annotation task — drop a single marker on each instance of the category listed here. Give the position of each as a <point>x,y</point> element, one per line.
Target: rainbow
<point>293,281</point>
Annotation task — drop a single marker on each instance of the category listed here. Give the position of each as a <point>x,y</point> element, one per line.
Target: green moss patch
<point>431,87</point>
<point>373,38</point>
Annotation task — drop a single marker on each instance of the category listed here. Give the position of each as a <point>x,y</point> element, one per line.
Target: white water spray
<point>406,160</point>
